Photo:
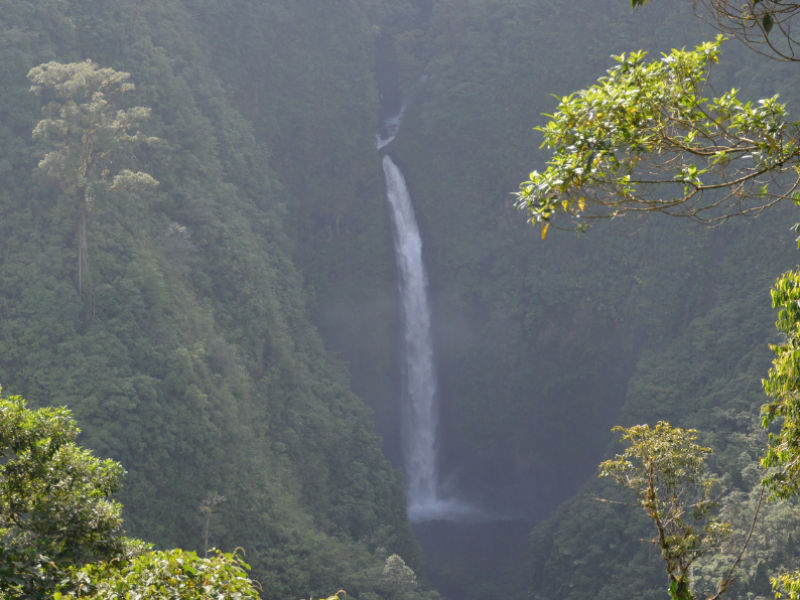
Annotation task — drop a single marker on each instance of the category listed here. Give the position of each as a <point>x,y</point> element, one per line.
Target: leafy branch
<point>783,385</point>
<point>646,139</point>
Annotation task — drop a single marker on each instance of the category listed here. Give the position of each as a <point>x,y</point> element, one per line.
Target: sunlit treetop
<point>646,139</point>
<point>665,469</point>
<point>85,127</point>
<point>84,132</point>
<point>783,386</point>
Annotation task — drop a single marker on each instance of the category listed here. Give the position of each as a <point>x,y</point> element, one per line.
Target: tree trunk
<point>83,260</point>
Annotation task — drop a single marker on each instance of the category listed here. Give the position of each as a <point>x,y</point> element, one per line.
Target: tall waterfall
<point>420,416</point>
<point>420,413</point>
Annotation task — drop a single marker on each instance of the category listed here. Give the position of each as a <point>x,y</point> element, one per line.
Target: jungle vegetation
<point>60,532</point>
<point>239,315</point>
<point>172,319</point>
<point>659,325</point>
<point>646,140</point>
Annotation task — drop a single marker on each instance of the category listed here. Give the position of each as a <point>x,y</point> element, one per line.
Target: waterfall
<point>392,124</point>
<point>420,416</point>
<point>420,413</point>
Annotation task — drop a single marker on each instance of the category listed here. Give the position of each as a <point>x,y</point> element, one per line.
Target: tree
<point>783,386</point>
<point>397,580</point>
<point>55,506</point>
<point>165,575</point>
<point>645,139</point>
<point>206,510</point>
<point>765,26</point>
<point>665,469</point>
<point>60,532</point>
<point>87,132</point>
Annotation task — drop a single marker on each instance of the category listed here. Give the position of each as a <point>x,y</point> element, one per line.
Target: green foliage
<point>54,495</point>
<point>59,532</point>
<point>666,471</point>
<point>193,361</point>
<point>164,575</point>
<point>397,580</point>
<point>568,331</point>
<point>752,23</point>
<point>86,135</point>
<point>28,575</point>
<point>721,358</point>
<point>82,124</point>
<point>200,370</point>
<point>781,458</point>
<point>771,549</point>
<point>552,345</point>
<point>645,139</point>
<point>334,597</point>
<point>787,585</point>
<point>783,385</point>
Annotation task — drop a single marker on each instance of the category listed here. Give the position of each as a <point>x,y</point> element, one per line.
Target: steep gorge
<point>203,367</point>
<point>542,347</point>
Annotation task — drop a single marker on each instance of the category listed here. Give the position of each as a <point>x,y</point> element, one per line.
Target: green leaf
<point>767,23</point>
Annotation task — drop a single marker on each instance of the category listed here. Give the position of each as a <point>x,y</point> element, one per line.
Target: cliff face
<point>537,341</point>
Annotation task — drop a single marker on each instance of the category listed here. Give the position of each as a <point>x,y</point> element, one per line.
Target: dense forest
<point>237,331</point>
<point>192,360</point>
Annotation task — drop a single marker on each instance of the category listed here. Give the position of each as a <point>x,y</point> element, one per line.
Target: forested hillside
<point>629,324</point>
<point>190,357</point>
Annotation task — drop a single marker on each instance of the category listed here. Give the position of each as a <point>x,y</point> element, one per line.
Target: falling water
<point>420,418</point>
<point>392,124</point>
<point>420,415</point>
